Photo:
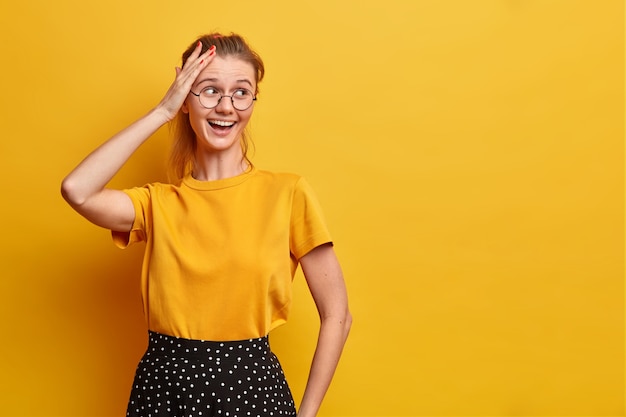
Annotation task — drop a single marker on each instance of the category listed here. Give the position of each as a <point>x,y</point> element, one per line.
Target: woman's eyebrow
<point>215,80</point>
<point>245,81</point>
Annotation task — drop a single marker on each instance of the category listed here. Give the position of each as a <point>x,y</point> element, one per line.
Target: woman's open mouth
<point>221,126</point>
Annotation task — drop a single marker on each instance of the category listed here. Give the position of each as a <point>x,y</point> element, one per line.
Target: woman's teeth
<point>221,123</point>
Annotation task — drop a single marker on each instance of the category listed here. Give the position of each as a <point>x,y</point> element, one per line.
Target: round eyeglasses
<point>210,97</point>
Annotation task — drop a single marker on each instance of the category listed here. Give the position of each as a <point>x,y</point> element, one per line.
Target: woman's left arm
<point>325,279</point>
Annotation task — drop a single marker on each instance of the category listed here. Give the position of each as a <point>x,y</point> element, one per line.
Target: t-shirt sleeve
<point>140,196</point>
<point>308,228</point>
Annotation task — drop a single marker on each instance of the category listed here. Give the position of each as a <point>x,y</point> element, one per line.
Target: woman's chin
<point>219,143</point>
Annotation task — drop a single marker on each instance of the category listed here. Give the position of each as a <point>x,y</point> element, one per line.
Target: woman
<point>222,246</point>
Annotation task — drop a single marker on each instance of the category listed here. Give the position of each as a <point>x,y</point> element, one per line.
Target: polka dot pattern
<point>194,378</point>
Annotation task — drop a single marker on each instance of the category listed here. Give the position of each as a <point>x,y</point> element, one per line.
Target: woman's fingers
<point>194,64</point>
<point>195,54</point>
<point>185,77</point>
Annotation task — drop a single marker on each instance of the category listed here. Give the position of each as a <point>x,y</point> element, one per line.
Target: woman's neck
<point>219,165</point>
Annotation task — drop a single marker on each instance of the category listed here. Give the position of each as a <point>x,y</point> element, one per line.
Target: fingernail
<point>202,61</point>
<point>199,43</point>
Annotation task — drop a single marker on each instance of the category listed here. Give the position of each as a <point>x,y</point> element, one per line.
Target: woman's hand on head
<point>185,77</point>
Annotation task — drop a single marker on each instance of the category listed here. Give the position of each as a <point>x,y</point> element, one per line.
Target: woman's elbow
<point>70,193</point>
<point>346,322</point>
<point>341,321</point>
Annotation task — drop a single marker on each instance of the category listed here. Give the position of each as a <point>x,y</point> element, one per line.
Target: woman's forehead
<point>228,69</point>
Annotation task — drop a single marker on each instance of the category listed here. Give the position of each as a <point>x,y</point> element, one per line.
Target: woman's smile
<point>221,127</point>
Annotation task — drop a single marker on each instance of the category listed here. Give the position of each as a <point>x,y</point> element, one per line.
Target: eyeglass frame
<point>222,96</point>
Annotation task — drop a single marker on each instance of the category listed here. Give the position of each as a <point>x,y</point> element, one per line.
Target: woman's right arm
<point>85,187</point>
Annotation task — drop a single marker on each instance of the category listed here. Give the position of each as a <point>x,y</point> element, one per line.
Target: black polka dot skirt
<point>189,378</point>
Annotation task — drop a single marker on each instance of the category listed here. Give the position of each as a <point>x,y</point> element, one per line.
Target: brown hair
<point>184,144</point>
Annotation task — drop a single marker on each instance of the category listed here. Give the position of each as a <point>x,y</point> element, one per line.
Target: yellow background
<point>469,156</point>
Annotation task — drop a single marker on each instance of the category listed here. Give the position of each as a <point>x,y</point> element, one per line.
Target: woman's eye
<point>210,91</point>
<point>242,92</point>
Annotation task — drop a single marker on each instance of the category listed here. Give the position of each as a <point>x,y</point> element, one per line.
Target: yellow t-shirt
<point>220,255</point>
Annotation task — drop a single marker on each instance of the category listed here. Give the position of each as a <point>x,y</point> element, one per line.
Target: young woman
<point>222,246</point>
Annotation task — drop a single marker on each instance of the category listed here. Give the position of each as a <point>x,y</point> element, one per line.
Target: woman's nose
<point>225,105</point>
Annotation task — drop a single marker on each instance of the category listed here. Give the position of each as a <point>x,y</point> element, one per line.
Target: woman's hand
<point>185,77</point>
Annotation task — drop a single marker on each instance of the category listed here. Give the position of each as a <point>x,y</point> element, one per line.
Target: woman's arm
<point>84,188</point>
<point>325,279</point>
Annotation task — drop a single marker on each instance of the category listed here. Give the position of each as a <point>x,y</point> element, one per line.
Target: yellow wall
<point>469,155</point>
